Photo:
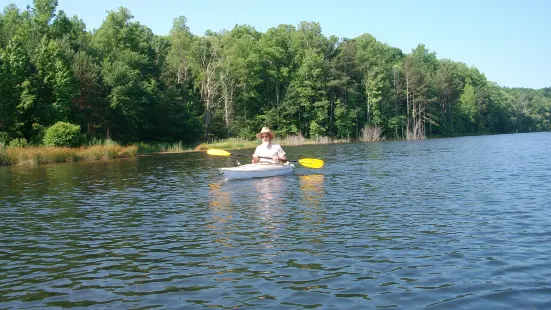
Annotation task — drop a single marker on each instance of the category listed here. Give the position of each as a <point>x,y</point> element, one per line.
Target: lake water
<point>458,223</point>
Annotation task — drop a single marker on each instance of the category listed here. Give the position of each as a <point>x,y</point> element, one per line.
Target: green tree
<point>419,69</point>
<point>206,56</point>
<point>179,54</point>
<point>306,103</point>
<point>10,23</point>
<point>448,86</point>
<point>238,71</point>
<point>342,86</point>
<point>88,109</point>
<point>467,106</point>
<point>124,82</point>
<point>276,60</point>
<point>128,73</point>
<point>43,13</point>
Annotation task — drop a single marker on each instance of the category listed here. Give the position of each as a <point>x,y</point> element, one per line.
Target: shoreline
<point>36,155</point>
<point>33,156</point>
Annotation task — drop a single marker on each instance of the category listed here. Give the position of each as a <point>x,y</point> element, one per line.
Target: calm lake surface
<point>458,223</point>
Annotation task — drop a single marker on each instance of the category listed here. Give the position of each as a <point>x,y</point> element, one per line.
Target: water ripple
<point>439,223</point>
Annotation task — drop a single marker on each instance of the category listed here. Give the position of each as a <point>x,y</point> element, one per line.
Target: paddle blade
<point>311,162</point>
<point>216,152</point>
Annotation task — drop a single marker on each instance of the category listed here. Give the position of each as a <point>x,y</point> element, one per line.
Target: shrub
<point>4,138</point>
<point>63,134</point>
<point>18,142</point>
<point>37,134</point>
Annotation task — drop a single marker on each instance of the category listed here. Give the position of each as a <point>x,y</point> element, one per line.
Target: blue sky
<point>508,40</point>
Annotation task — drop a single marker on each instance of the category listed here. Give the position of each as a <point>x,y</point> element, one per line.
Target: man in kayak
<point>267,150</point>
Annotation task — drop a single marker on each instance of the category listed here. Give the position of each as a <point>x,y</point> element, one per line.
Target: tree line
<point>123,82</point>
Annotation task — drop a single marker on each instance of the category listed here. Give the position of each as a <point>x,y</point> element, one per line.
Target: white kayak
<point>260,170</point>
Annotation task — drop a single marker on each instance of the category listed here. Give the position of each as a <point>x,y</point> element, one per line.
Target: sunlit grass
<point>231,143</point>
<point>175,147</point>
<point>109,149</point>
<point>237,143</point>
<point>50,154</point>
<point>39,155</point>
<point>98,152</point>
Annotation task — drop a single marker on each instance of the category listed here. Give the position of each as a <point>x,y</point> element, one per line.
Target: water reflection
<point>221,217</point>
<point>312,187</point>
<point>269,191</point>
<point>270,202</point>
<point>312,213</point>
<point>219,198</point>
<point>455,230</point>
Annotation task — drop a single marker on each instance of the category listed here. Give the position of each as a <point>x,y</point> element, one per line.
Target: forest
<point>125,83</point>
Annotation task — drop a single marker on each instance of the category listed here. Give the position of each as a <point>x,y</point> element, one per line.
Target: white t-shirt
<point>269,151</point>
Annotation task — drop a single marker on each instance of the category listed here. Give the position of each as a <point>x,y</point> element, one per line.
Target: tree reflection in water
<point>266,205</point>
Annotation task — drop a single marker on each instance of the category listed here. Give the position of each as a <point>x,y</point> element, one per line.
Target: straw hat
<point>265,130</point>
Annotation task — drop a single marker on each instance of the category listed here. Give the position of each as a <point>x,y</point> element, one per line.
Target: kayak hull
<point>261,170</point>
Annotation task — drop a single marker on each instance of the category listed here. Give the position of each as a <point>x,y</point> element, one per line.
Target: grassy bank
<point>49,154</point>
<point>236,143</point>
<point>102,150</point>
<point>164,147</point>
<point>231,143</point>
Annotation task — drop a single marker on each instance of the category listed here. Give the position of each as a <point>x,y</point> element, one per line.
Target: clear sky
<point>507,40</point>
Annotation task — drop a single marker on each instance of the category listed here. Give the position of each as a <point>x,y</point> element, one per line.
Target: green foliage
<point>18,142</point>
<point>467,103</point>
<point>124,83</point>
<point>63,134</point>
<point>4,138</point>
<point>344,120</point>
<point>178,59</point>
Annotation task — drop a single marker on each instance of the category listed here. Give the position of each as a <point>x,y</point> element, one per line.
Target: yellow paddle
<point>306,162</point>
